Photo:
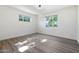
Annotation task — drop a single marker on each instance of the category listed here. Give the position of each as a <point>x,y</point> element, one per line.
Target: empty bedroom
<point>39,29</point>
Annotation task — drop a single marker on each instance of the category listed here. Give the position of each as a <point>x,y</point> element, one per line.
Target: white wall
<point>10,26</point>
<point>66,23</point>
<point>78,24</point>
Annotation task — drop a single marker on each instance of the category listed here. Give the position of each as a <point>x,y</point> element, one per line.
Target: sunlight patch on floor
<point>24,48</point>
<point>27,47</point>
<point>44,40</point>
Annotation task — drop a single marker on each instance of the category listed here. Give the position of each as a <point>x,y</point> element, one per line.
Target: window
<point>51,21</point>
<point>24,18</point>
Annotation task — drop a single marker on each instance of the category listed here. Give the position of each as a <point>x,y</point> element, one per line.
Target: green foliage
<point>52,21</point>
<point>24,18</point>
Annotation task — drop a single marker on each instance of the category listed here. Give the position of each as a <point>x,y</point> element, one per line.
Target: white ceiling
<point>44,10</point>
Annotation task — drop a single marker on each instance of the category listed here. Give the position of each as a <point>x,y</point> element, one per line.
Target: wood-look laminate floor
<point>39,43</point>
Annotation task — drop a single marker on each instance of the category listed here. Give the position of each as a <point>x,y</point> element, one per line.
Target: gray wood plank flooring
<point>39,43</point>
